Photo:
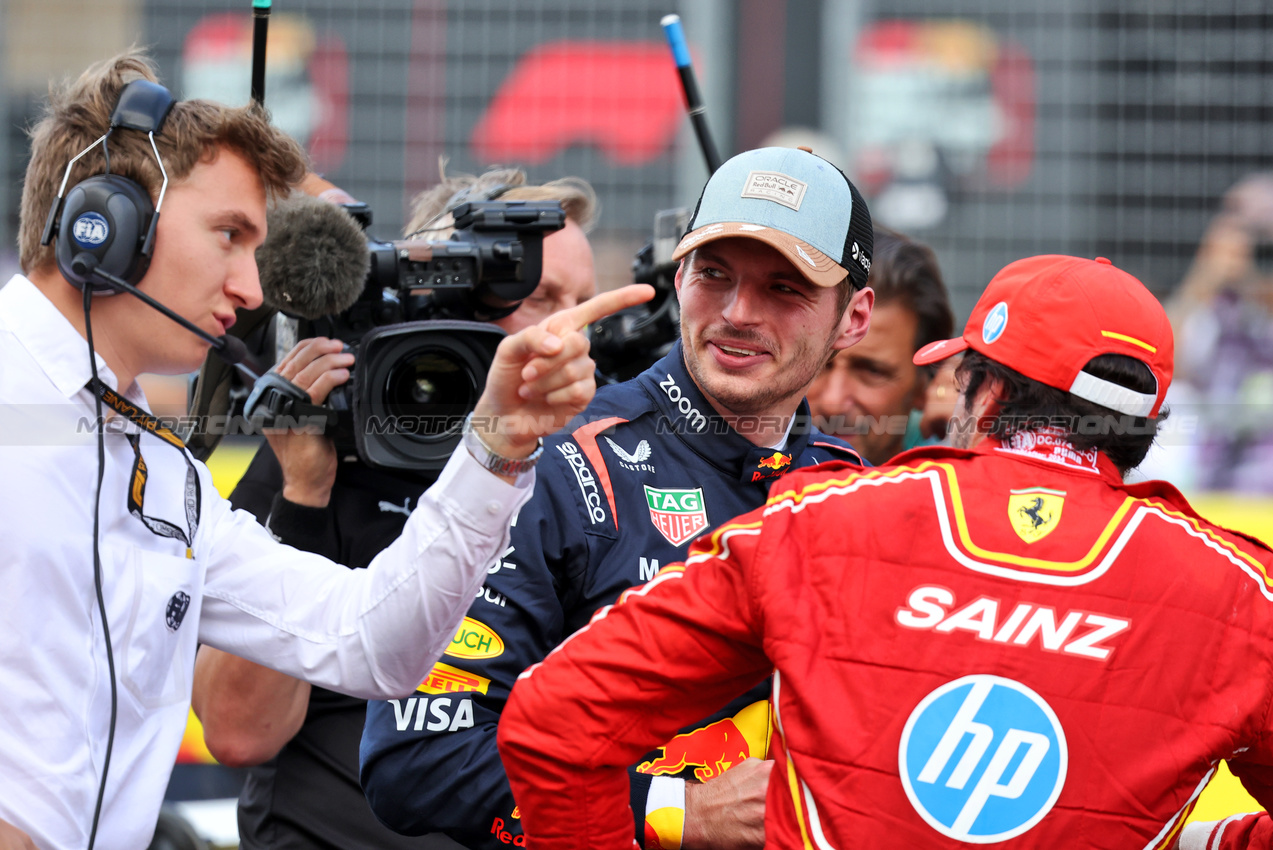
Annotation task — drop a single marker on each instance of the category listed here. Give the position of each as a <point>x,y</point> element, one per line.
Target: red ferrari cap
<point>1047,317</point>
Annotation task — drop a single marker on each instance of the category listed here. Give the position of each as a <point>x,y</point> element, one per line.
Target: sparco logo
<point>672,390</point>
<point>587,483</point>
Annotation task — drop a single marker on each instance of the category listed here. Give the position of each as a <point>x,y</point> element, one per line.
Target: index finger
<point>581,315</point>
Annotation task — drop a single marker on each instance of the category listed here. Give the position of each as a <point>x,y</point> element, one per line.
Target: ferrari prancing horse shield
<point>1035,512</point>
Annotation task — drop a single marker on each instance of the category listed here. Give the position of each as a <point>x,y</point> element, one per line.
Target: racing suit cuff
<point>658,805</point>
<point>1201,835</point>
<point>303,527</point>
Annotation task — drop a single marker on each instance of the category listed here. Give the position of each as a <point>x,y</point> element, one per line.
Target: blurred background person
<point>1223,317</point>
<point>872,394</point>
<point>301,743</point>
<point>939,399</point>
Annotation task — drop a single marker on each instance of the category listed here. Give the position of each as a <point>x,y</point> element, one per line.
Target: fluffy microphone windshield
<point>314,260</point>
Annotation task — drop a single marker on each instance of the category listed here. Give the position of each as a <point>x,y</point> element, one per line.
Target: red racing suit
<point>1001,645</point>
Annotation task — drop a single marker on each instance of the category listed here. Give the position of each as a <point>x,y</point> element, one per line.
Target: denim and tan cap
<point>794,201</point>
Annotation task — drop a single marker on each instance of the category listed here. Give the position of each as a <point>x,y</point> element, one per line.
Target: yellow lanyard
<point>137,489</point>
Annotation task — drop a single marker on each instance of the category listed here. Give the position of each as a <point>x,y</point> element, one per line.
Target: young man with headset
<point>300,743</point>
<point>119,557</point>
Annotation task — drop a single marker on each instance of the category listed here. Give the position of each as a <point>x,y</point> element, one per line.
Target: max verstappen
<point>999,642</point>
<point>771,283</point>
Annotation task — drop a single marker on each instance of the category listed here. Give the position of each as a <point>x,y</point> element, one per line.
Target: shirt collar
<point>53,341</point>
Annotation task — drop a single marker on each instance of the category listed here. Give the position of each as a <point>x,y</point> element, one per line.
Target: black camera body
<point>420,336</point>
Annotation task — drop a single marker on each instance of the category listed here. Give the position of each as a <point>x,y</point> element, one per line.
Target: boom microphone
<point>314,260</point>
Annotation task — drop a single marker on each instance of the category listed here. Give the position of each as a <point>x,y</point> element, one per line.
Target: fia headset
<point>105,226</point>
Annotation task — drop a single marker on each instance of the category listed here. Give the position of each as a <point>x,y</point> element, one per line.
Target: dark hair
<point>1027,405</point>
<point>906,272</point>
<point>843,295</point>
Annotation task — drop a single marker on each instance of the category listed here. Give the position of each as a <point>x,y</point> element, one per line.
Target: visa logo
<point>433,713</point>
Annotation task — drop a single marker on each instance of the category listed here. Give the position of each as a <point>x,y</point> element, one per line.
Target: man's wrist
<point>309,496</point>
<point>497,453</point>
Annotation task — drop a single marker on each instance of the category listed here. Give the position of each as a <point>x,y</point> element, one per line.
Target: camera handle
<point>275,397</point>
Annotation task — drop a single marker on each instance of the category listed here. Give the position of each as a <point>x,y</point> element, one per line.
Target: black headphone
<point>107,221</point>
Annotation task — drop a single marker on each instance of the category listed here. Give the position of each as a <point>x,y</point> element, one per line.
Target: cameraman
<point>302,743</point>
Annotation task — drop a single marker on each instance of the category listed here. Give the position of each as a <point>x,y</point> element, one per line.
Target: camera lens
<point>413,385</point>
<point>430,390</point>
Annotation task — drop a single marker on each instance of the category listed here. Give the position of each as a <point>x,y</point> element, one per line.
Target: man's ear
<point>680,270</point>
<point>856,320</point>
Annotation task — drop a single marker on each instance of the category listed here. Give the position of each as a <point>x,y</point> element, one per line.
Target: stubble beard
<point>755,398</point>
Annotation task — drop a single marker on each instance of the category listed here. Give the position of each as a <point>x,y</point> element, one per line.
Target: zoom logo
<point>982,759</point>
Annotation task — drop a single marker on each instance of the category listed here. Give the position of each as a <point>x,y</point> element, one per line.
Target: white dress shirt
<point>371,633</point>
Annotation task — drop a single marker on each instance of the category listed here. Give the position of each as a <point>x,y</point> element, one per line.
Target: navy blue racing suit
<point>648,467</point>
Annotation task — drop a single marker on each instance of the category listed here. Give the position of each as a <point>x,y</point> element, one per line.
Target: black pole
<point>689,84</point>
<point>260,28</point>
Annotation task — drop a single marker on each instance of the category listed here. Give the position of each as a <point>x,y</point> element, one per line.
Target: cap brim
<point>939,350</point>
<point>816,266</point>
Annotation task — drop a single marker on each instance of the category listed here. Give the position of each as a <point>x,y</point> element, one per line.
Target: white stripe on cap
<point>1111,395</point>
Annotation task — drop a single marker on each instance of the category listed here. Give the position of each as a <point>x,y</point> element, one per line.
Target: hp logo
<point>982,759</point>
<point>996,322</point>
<point>90,230</point>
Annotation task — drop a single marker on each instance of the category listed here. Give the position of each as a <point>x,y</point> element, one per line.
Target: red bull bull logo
<point>711,750</point>
<point>776,461</point>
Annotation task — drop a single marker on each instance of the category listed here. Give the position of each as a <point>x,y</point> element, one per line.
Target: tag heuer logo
<point>1035,513</point>
<point>679,515</point>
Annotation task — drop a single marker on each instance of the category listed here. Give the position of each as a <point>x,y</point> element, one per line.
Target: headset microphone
<point>229,348</point>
